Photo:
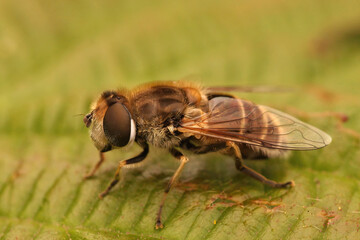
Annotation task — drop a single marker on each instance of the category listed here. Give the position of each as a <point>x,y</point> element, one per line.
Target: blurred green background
<point>57,56</point>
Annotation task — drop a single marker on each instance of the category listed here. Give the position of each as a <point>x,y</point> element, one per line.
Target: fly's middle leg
<point>183,160</point>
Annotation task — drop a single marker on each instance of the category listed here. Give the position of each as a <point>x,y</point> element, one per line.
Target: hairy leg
<point>133,160</point>
<point>183,160</point>
<point>96,167</point>
<point>239,163</point>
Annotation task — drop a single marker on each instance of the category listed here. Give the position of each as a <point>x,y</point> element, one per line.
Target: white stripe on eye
<point>132,131</point>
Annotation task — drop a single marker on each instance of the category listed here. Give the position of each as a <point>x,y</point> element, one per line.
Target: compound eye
<point>117,125</point>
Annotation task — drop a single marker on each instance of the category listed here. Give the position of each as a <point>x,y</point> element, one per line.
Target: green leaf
<point>56,57</point>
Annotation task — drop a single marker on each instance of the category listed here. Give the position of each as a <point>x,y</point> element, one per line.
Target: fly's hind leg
<point>183,161</point>
<point>239,163</point>
<point>252,173</point>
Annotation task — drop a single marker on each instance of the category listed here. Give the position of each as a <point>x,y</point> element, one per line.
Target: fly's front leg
<point>183,161</point>
<point>252,173</point>
<point>96,167</point>
<point>133,160</point>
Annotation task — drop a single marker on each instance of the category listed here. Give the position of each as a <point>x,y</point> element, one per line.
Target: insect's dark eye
<point>117,125</point>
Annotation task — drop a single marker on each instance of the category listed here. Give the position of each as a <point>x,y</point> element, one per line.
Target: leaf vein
<point>32,192</point>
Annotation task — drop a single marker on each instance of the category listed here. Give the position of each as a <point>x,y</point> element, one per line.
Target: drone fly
<point>183,116</point>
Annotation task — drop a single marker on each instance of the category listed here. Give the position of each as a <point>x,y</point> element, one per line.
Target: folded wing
<point>245,122</point>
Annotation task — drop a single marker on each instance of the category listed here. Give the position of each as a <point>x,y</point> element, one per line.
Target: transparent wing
<point>245,122</point>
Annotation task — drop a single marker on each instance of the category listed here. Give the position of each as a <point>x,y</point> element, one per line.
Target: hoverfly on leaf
<point>183,116</point>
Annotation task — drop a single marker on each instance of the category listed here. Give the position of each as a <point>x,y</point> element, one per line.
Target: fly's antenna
<point>79,114</point>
